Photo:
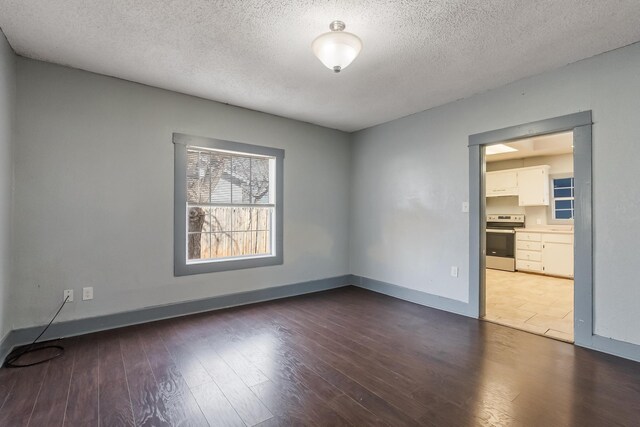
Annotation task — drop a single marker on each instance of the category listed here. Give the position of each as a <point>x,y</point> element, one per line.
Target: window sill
<point>226,264</point>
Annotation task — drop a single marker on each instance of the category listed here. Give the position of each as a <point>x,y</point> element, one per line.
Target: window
<point>563,198</point>
<point>228,205</point>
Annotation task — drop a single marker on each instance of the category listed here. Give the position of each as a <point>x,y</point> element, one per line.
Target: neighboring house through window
<point>228,205</point>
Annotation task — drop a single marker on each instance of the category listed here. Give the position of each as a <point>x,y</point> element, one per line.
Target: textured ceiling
<point>256,53</point>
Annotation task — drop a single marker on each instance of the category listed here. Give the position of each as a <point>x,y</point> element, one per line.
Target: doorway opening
<point>550,227</point>
<point>530,206</point>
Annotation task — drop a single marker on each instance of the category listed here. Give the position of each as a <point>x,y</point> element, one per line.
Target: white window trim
<point>181,265</point>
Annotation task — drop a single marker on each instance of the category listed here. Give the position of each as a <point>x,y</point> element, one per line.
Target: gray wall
<point>94,194</point>
<point>409,177</point>
<point>7,99</point>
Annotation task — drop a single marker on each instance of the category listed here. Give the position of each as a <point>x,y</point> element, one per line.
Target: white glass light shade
<point>336,49</point>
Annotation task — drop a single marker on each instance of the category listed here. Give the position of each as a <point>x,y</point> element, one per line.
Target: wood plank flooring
<point>341,357</point>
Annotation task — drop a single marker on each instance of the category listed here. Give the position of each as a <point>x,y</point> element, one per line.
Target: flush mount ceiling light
<point>499,149</point>
<point>337,49</point>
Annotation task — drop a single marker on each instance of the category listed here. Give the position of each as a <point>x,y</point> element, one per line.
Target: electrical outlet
<point>454,271</point>
<point>87,293</point>
<point>465,206</point>
<point>538,221</point>
<point>68,293</point>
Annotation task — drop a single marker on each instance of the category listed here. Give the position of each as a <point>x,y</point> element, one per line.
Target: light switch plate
<point>454,271</point>
<point>465,206</point>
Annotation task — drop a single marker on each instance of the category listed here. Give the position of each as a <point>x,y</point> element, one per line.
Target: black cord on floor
<point>12,358</point>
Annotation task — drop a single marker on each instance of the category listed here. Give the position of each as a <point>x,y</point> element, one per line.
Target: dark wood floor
<point>343,357</point>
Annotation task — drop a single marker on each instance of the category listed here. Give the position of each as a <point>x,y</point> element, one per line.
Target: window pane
<point>197,218</point>
<point>220,172</point>
<point>240,179</point>
<point>564,204</point>
<point>261,218</point>
<point>206,225</point>
<point>198,176</point>
<point>241,243</point>
<point>259,180</point>
<point>198,246</point>
<point>562,192</point>
<point>220,232</point>
<point>221,219</point>
<point>261,242</point>
<point>251,243</point>
<point>192,163</point>
<point>220,245</point>
<point>205,246</point>
<point>564,214</point>
<point>204,176</point>
<point>193,190</point>
<point>562,182</point>
<point>220,178</point>
<point>240,218</point>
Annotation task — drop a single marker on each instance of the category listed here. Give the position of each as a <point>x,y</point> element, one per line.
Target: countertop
<point>550,230</point>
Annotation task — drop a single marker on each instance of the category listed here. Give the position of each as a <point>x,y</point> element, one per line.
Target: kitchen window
<point>563,198</point>
<point>228,205</point>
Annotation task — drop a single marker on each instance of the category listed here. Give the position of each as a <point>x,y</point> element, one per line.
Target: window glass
<point>229,206</point>
<point>563,198</point>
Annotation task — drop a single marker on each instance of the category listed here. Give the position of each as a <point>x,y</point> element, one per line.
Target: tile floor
<point>531,302</point>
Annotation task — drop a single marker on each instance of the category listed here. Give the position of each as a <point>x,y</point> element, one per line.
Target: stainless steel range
<point>501,240</point>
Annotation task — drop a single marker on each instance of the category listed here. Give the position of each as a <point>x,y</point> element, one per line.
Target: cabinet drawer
<point>558,238</point>
<point>528,246</point>
<point>528,265</point>
<point>532,237</point>
<point>529,256</point>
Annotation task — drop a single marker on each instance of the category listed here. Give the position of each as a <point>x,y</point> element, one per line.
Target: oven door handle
<point>501,231</point>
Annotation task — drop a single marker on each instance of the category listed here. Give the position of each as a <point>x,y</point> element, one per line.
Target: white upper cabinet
<point>502,183</point>
<point>533,186</point>
<point>530,184</point>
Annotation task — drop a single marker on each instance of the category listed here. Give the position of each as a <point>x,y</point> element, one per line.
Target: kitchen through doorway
<point>530,209</point>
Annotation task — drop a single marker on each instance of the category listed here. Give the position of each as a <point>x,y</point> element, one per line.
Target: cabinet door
<point>557,259</point>
<point>502,183</point>
<point>492,183</point>
<point>533,187</point>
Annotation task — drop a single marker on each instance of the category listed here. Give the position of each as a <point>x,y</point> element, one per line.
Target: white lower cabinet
<point>558,259</point>
<point>546,253</point>
<point>524,265</point>
<point>530,246</point>
<point>529,255</point>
